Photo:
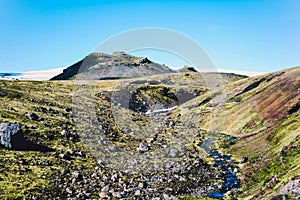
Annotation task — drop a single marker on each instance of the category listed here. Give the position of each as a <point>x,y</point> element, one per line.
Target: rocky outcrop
<point>187,69</point>
<point>12,137</point>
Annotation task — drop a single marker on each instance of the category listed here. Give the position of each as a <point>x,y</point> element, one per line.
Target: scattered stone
<point>33,117</point>
<point>68,190</point>
<point>23,162</point>
<point>142,185</point>
<point>80,167</point>
<point>105,188</point>
<point>244,160</point>
<point>65,171</point>
<point>116,194</point>
<point>44,123</point>
<point>137,193</point>
<point>3,92</point>
<point>77,176</point>
<point>68,110</point>
<point>50,110</point>
<point>123,193</point>
<point>127,130</point>
<point>103,195</point>
<point>46,163</point>
<point>174,153</point>
<point>143,147</point>
<point>65,133</point>
<point>65,156</point>
<point>80,196</point>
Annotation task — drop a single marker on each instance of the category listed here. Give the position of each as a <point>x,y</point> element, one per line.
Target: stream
<point>223,163</point>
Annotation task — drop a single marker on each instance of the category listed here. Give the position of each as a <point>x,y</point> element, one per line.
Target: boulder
<point>244,160</point>
<point>33,117</point>
<point>12,137</point>
<point>3,92</point>
<point>143,147</point>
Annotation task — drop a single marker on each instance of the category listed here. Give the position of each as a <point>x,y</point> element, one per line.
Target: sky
<point>251,35</point>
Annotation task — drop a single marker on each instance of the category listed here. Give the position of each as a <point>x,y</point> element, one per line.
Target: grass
<point>260,118</point>
<point>267,134</point>
<point>20,180</point>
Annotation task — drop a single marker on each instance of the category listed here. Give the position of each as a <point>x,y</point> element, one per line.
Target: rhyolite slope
<point>263,112</point>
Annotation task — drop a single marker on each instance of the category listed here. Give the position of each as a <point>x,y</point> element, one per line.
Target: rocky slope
<point>230,137</point>
<point>46,114</point>
<point>100,66</point>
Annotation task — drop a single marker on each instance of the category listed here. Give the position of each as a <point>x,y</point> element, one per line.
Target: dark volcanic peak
<point>97,66</point>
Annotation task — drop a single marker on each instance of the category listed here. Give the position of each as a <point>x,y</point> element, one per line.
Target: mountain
<point>99,66</point>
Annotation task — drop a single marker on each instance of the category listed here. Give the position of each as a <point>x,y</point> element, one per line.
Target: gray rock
<point>127,130</point>
<point>80,196</point>
<point>142,185</point>
<point>174,153</point>
<point>143,147</point>
<point>68,190</point>
<point>12,137</point>
<point>50,110</point>
<point>105,188</point>
<point>77,175</point>
<point>65,171</point>
<point>137,193</point>
<point>244,160</point>
<point>3,92</point>
<point>7,131</point>
<point>116,194</point>
<point>103,195</point>
<point>80,167</point>
<point>46,163</point>
<point>65,156</point>
<point>33,116</point>
<point>65,133</point>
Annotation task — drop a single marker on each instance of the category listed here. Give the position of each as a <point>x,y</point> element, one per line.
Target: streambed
<point>224,163</point>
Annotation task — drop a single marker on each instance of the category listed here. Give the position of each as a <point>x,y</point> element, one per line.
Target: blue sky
<point>256,35</point>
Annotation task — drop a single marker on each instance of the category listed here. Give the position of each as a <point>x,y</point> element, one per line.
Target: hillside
<point>264,113</point>
<point>100,66</point>
<point>178,135</point>
<point>47,114</point>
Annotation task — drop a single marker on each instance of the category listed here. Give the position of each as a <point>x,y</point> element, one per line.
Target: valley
<point>179,135</point>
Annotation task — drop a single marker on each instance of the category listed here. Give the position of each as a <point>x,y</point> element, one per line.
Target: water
<point>9,74</point>
<point>12,76</point>
<point>224,163</point>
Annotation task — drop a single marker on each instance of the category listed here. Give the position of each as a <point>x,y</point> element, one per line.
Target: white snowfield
<point>40,75</point>
<point>241,72</point>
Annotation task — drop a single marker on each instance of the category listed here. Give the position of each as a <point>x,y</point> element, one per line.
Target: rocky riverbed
<point>178,174</point>
<point>229,182</point>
